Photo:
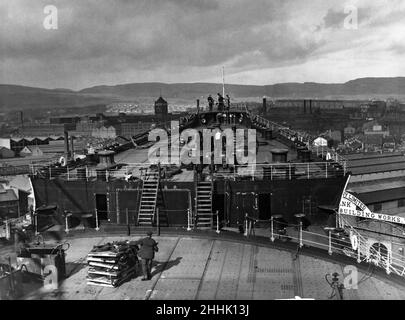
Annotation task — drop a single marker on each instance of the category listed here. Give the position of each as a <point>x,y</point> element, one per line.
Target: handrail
<point>268,171</point>
<point>327,239</point>
<point>293,135</point>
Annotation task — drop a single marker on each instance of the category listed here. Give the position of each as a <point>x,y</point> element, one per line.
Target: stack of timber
<point>112,263</point>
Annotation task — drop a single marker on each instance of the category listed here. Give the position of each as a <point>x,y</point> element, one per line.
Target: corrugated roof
<point>376,161</point>
<point>382,195</point>
<point>377,168</point>
<point>379,186</point>
<point>355,156</point>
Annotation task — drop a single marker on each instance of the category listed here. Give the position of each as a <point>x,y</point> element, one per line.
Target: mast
<point>223,81</point>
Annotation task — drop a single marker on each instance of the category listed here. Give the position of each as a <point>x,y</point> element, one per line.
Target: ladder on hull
<point>204,215</point>
<point>147,206</point>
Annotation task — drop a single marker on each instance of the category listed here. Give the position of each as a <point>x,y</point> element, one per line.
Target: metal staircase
<point>148,201</point>
<point>204,216</point>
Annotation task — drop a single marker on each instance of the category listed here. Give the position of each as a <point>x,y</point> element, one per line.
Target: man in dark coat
<point>210,102</point>
<point>147,253</point>
<point>220,102</point>
<point>228,102</point>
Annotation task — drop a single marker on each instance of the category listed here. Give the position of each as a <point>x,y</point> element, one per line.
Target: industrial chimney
<point>67,152</point>
<point>72,150</point>
<point>264,105</point>
<point>22,119</point>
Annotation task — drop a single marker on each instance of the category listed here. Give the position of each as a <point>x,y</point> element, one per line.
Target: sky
<point>105,42</point>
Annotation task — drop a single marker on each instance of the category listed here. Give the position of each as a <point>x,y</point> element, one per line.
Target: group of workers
<point>220,103</point>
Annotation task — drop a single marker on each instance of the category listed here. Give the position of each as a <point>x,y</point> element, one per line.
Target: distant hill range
<point>21,97</point>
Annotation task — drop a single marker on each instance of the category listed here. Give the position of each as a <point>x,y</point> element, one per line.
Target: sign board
<point>351,206</point>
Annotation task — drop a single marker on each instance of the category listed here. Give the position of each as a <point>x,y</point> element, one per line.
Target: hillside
<point>21,97</point>
<point>14,97</point>
<point>363,86</point>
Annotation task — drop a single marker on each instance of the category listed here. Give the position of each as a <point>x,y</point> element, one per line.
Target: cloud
<point>100,41</point>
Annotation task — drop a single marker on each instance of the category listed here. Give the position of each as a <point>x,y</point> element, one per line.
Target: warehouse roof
<point>370,155</point>
<point>376,161</point>
<point>7,195</point>
<point>377,168</point>
<point>382,195</point>
<point>378,186</point>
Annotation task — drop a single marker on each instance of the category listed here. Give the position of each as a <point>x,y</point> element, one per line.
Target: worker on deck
<point>147,253</point>
<point>220,102</point>
<point>210,103</point>
<point>228,102</point>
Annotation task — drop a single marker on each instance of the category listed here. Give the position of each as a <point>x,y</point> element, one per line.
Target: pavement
<point>196,268</point>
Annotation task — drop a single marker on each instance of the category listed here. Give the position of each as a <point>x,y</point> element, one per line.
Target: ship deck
<point>264,156</point>
<point>195,267</point>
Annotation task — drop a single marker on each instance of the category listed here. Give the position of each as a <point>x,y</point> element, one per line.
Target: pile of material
<point>112,263</point>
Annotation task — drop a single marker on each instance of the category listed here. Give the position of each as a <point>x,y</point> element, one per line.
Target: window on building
<point>401,203</point>
<point>377,207</point>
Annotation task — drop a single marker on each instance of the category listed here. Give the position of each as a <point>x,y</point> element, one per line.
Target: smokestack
<point>72,150</point>
<point>67,152</point>
<point>22,119</point>
<point>264,105</point>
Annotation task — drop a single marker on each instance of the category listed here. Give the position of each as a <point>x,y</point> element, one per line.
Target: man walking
<point>147,253</point>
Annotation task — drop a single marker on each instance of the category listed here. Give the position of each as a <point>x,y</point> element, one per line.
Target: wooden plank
<point>108,254</point>
<point>104,265</point>
<point>111,282</point>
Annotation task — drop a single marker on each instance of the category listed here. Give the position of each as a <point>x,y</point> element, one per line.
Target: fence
<point>85,172</point>
<point>295,135</point>
<point>259,171</point>
<point>285,171</point>
<point>346,240</point>
<point>14,170</point>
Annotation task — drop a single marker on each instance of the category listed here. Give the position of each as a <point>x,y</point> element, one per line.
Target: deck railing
<point>263,171</point>
<point>233,108</point>
<point>352,244</point>
<point>281,171</point>
<point>293,136</point>
<point>345,240</point>
<point>133,170</point>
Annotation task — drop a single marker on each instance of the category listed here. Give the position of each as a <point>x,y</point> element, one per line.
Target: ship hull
<point>117,201</point>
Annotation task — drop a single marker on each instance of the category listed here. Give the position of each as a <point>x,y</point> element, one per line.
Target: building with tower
<point>161,108</point>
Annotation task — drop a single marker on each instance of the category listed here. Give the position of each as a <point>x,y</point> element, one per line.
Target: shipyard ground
<point>228,266</point>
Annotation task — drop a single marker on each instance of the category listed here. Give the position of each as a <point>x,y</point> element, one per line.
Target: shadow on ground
<point>162,266</point>
<point>73,268</point>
